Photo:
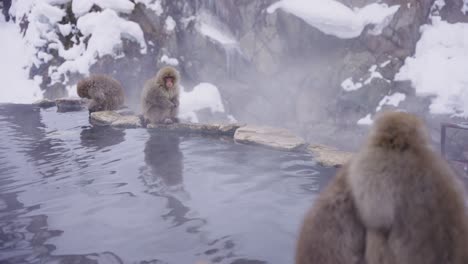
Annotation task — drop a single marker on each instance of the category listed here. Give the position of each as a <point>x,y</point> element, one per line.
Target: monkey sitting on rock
<point>160,97</point>
<point>105,93</point>
<point>398,192</point>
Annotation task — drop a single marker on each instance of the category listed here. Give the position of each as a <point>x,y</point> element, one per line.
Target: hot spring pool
<point>70,193</point>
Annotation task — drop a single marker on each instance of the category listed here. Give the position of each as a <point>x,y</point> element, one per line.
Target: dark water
<point>70,193</point>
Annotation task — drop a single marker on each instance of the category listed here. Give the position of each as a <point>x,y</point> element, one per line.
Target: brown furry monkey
<point>160,97</point>
<point>105,93</point>
<point>407,197</point>
<point>331,232</point>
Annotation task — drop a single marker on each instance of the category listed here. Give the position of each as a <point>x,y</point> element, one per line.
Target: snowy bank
<point>203,96</point>
<point>438,68</point>
<point>16,87</point>
<point>333,18</point>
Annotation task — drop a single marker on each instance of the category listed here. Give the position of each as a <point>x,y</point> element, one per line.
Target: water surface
<point>71,193</point>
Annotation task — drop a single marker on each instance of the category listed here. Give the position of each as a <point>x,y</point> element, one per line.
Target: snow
<point>334,18</point>
<point>204,95</point>
<point>170,24</point>
<point>215,34</point>
<point>385,63</point>
<point>152,5</point>
<point>106,30</point>
<point>366,121</point>
<point>348,85</point>
<point>82,7</point>
<point>169,61</point>
<point>438,68</point>
<point>374,74</point>
<point>65,30</point>
<point>16,87</point>
<point>464,8</point>
<point>211,28</point>
<point>394,100</point>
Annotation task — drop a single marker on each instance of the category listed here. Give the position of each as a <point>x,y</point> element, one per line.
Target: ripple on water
<point>72,193</point>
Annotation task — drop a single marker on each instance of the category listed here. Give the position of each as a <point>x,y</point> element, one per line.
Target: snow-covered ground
<point>15,86</point>
<point>439,67</point>
<point>105,31</point>
<point>204,95</point>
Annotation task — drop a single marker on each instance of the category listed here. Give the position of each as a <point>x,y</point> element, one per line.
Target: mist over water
<point>70,192</point>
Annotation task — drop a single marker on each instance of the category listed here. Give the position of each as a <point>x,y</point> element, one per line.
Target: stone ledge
<point>70,104</point>
<point>271,137</point>
<point>111,118</point>
<point>45,103</point>
<point>329,157</point>
<point>207,129</point>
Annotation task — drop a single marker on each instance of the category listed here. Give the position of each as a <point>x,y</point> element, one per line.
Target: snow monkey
<point>407,197</point>
<point>332,232</point>
<point>160,97</point>
<point>105,93</point>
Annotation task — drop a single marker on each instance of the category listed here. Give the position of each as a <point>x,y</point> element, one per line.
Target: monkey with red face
<point>160,97</point>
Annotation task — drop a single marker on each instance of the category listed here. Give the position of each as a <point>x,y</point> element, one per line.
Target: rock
<point>125,111</point>
<point>111,118</point>
<point>45,103</point>
<point>70,104</point>
<point>329,157</point>
<point>209,129</point>
<point>276,138</point>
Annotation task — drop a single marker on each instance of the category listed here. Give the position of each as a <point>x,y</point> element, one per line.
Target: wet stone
<point>111,118</point>
<point>209,129</point>
<point>45,103</point>
<point>70,104</point>
<point>276,138</point>
<point>328,156</point>
<point>125,111</point>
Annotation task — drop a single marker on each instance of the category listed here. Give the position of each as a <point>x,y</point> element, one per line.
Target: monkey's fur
<point>332,232</point>
<point>161,104</point>
<point>105,93</point>
<point>407,197</point>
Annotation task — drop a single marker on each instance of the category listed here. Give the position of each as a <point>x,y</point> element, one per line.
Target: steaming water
<point>70,193</point>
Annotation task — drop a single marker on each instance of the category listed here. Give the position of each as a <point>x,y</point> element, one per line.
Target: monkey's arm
<point>175,101</point>
<point>159,99</point>
<point>97,95</point>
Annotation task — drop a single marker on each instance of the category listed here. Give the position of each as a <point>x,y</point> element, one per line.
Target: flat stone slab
<point>111,118</point>
<point>276,138</point>
<point>189,128</point>
<point>70,104</point>
<point>45,103</point>
<point>328,156</point>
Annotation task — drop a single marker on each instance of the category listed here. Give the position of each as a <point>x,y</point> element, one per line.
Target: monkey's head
<point>398,131</point>
<point>82,88</point>
<point>168,77</point>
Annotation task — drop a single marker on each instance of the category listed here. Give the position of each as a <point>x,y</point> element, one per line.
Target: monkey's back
<point>105,92</point>
<point>331,231</point>
<point>112,89</point>
<point>415,195</point>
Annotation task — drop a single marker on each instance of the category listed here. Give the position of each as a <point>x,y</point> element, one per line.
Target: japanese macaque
<point>105,93</point>
<point>160,97</point>
<point>332,232</point>
<point>407,197</point>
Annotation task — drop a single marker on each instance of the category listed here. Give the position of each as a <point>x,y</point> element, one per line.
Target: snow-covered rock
<point>438,68</point>
<point>334,18</point>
